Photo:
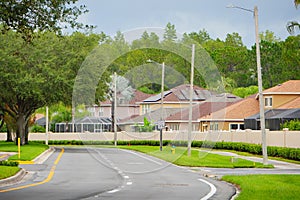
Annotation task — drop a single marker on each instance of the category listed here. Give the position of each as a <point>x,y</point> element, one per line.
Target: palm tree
<point>293,25</point>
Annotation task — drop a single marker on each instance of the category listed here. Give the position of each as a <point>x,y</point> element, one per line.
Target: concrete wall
<point>274,138</point>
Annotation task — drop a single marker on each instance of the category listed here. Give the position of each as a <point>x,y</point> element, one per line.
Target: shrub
<point>37,129</point>
<point>293,125</point>
<point>9,163</point>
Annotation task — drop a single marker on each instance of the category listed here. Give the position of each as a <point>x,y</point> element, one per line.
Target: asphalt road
<point>112,174</point>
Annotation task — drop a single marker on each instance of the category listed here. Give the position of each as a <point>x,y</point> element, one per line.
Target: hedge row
<point>288,153</point>
<point>9,163</point>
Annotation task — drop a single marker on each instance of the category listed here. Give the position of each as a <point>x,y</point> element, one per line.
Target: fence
<point>274,138</point>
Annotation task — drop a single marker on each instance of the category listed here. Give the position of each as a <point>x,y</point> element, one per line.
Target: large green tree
<point>27,16</point>
<point>39,74</point>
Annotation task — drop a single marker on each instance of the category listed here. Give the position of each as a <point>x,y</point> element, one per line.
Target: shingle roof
<point>291,86</point>
<point>239,110</point>
<point>199,111</point>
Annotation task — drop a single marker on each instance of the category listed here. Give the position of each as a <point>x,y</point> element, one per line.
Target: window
<point>236,127</point>
<point>145,108</point>
<point>174,126</point>
<point>101,113</point>
<point>268,101</point>
<point>214,126</point>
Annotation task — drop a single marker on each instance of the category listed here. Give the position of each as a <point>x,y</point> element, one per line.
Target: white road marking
<point>129,183</point>
<point>126,177</point>
<point>213,189</point>
<point>113,191</point>
<point>139,155</point>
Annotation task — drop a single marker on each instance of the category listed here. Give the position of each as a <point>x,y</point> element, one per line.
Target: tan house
<point>283,95</point>
<point>232,117</point>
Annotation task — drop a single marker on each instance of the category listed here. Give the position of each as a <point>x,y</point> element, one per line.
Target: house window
<point>101,113</point>
<point>236,127</point>
<point>268,101</point>
<point>145,108</point>
<point>214,126</point>
<point>174,126</point>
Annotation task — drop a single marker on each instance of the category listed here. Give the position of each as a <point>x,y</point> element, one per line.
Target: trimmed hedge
<point>287,153</point>
<point>9,163</point>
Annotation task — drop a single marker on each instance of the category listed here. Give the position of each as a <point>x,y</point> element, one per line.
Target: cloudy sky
<point>111,16</point>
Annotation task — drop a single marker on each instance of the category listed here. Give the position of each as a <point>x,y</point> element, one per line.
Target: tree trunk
<point>8,134</point>
<point>27,133</point>
<point>21,123</point>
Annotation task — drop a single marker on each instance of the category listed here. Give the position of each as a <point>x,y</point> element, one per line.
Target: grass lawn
<point>6,171</point>
<point>197,159</point>
<point>267,186</point>
<point>28,152</point>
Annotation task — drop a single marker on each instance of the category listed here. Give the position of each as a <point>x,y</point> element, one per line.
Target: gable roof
<point>198,111</point>
<point>181,93</point>
<point>237,111</point>
<point>291,86</point>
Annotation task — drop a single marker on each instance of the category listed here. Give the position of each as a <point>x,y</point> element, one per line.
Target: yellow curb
<point>25,162</point>
<point>50,176</point>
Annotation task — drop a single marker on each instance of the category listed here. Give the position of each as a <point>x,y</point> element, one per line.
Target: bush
<point>9,163</point>
<point>37,129</point>
<point>293,125</point>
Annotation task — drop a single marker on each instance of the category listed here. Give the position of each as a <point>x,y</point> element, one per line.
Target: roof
<point>198,111</point>
<point>291,86</point>
<point>93,120</point>
<point>237,111</point>
<point>153,116</point>
<point>279,114</point>
<point>182,94</point>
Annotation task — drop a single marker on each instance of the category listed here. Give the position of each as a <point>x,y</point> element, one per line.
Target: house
<point>175,107</point>
<point>231,117</point>
<point>125,109</point>
<point>287,93</point>
<point>282,103</point>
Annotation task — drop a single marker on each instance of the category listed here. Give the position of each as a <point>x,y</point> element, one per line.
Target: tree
<point>201,37</point>
<point>170,32</point>
<point>28,16</point>
<point>39,74</point>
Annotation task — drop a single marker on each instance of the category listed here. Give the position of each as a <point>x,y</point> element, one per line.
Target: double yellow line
<point>50,176</point>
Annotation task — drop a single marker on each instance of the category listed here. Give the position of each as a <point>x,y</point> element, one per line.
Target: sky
<point>188,16</point>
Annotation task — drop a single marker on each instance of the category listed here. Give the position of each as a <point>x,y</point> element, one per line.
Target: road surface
<point>103,173</point>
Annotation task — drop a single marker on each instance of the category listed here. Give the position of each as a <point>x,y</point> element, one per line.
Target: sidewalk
<point>277,164</point>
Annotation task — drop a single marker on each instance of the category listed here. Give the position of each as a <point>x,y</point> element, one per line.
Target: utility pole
<point>115,109</point>
<point>260,88</point>
<point>47,125</point>
<point>260,92</point>
<point>162,105</point>
<point>190,125</point>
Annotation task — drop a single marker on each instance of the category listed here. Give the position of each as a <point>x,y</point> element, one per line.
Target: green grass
<point>28,152</point>
<point>6,171</point>
<point>267,186</point>
<point>197,158</point>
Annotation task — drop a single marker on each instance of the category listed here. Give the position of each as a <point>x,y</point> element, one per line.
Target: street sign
<point>161,125</point>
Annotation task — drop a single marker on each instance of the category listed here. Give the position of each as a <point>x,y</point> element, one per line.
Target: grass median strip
<point>266,186</point>
<point>198,158</point>
<point>8,171</point>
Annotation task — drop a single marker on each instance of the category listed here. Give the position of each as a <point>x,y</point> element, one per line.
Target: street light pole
<point>162,104</point>
<point>190,125</point>
<point>260,92</point>
<point>259,80</point>
<point>161,122</point>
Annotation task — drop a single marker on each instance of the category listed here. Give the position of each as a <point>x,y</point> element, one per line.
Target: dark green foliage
<point>293,125</point>
<point>37,129</point>
<point>9,163</point>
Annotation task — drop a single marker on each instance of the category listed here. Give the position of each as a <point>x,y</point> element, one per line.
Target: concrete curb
<point>13,179</point>
<point>20,175</point>
<point>44,156</point>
